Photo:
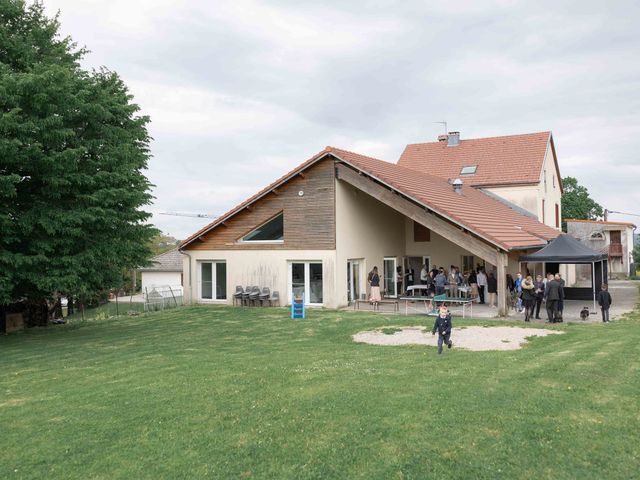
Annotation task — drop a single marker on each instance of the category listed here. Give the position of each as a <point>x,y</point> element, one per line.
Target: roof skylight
<point>468,170</point>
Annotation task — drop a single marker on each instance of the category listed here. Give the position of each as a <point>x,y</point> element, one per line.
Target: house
<point>320,228</point>
<point>165,270</point>
<point>613,238</point>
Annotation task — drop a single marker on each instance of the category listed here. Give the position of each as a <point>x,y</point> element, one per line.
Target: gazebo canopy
<point>565,249</point>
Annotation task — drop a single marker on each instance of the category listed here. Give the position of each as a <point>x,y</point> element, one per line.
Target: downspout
<point>189,257</point>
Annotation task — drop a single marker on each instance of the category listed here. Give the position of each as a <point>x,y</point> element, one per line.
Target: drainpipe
<point>189,257</point>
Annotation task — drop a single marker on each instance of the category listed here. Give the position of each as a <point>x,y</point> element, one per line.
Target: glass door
<point>390,276</point>
<point>306,278</point>
<point>353,280</point>
<point>297,280</point>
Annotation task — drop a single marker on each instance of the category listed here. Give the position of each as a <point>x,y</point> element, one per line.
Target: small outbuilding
<point>165,270</point>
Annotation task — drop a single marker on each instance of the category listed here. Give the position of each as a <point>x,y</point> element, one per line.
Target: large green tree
<point>73,150</point>
<point>576,202</point>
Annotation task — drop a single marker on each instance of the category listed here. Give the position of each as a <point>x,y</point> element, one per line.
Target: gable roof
<point>472,209</point>
<point>170,261</point>
<point>506,160</point>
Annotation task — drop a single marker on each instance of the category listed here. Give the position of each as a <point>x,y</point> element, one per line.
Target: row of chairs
<point>255,296</point>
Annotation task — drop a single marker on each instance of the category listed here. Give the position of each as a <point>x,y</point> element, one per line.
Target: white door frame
<point>393,276</point>
<point>352,264</point>
<point>307,281</point>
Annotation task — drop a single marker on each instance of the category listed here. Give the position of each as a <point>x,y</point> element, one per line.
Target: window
<point>557,215</point>
<point>270,231</point>
<point>543,211</point>
<point>467,263</point>
<point>553,181</point>
<point>468,170</point>
<point>597,236</point>
<point>213,281</point>
<point>544,175</point>
<point>421,233</point>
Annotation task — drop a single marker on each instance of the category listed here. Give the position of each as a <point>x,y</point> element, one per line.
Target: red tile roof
<point>472,209</point>
<point>512,159</point>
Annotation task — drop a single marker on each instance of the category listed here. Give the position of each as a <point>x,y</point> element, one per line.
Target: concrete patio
<point>625,295</point>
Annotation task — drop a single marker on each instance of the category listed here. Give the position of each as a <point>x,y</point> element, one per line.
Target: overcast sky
<point>239,92</point>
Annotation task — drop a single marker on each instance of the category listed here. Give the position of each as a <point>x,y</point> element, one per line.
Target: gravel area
<point>469,338</point>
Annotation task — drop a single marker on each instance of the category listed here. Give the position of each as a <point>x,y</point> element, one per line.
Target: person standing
<point>528,298</point>
<point>374,284</point>
<point>492,288</point>
<point>552,294</point>
<point>440,281</point>
<point>399,280</point>
<point>424,274</point>
<point>409,276</point>
<point>604,300</point>
<point>539,289</point>
<point>443,326</point>
<point>473,283</point>
<point>518,287</point>
<point>481,278</point>
<point>561,302</point>
<point>453,282</point>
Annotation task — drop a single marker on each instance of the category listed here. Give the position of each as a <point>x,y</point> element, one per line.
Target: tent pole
<point>593,283</point>
<point>544,269</point>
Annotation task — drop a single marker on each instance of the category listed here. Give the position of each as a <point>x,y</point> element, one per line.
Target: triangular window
<point>270,231</point>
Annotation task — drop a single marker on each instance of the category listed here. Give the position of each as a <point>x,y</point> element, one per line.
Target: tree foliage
<point>73,149</point>
<point>576,202</point>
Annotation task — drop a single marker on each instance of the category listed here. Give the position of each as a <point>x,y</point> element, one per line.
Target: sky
<point>240,92</point>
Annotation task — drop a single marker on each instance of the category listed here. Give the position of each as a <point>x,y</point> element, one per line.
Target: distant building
<point>166,270</point>
<point>612,238</point>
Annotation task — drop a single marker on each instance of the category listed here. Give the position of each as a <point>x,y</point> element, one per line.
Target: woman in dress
<point>374,283</point>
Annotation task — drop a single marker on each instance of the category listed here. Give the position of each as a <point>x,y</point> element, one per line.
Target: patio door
<point>306,278</point>
<point>353,280</point>
<point>390,264</point>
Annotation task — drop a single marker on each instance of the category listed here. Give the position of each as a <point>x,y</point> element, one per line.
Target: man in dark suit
<point>553,293</point>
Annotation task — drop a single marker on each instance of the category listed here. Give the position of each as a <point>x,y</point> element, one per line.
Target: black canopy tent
<point>567,250</point>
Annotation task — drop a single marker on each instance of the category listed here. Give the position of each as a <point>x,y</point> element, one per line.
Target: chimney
<point>454,139</point>
<point>457,186</point>
<point>443,138</point>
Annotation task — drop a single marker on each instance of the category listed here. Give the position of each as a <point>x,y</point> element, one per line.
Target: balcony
<point>615,250</point>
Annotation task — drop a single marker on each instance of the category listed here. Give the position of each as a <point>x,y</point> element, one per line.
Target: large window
<point>213,281</point>
<point>271,231</point>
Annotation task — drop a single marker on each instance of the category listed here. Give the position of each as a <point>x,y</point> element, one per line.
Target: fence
<point>159,297</point>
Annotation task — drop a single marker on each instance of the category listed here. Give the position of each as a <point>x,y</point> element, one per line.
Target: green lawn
<point>214,392</point>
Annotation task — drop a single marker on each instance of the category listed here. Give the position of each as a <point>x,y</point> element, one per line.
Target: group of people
<point>529,293</point>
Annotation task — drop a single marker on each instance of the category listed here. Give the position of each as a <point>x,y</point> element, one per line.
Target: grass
<point>215,392</point>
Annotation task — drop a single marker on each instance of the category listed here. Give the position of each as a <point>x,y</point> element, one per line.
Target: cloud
<point>240,92</point>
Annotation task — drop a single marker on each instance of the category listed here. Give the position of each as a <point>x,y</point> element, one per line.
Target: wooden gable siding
<point>309,220</point>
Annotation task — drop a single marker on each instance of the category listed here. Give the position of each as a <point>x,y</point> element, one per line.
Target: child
<point>443,326</point>
<point>604,300</point>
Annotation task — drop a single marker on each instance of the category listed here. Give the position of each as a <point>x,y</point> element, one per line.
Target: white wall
<point>365,229</point>
<point>551,192</point>
<point>265,268</point>
<point>160,278</point>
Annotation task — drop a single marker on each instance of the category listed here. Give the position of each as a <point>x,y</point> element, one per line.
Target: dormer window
<point>468,170</point>
<point>272,231</point>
